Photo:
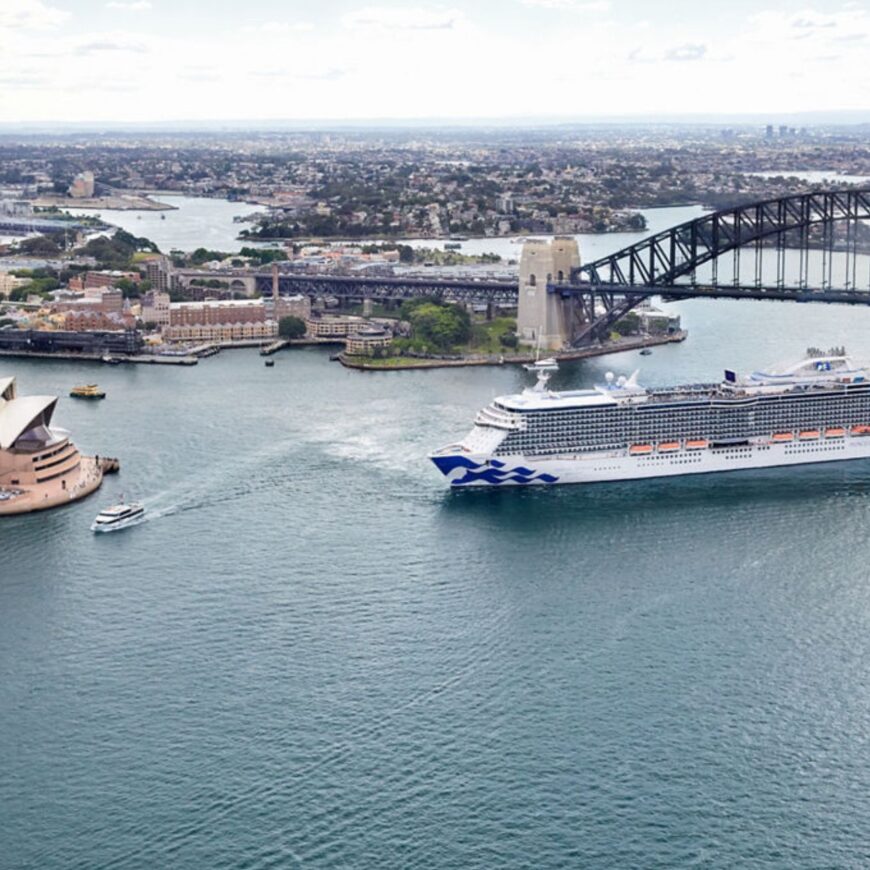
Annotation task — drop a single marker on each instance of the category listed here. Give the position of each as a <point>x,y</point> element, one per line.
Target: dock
<point>141,359</point>
<point>274,347</point>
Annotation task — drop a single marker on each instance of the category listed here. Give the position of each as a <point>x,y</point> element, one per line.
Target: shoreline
<point>515,359</point>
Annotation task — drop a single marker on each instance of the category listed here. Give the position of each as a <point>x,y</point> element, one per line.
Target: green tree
<point>291,327</point>
<point>442,325</point>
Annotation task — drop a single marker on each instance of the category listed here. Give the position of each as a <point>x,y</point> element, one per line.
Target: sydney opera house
<point>39,466</point>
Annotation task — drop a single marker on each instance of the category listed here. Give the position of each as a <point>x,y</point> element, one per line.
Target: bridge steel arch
<point>661,263</point>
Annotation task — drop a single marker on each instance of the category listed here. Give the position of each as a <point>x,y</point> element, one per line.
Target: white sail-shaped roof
<point>19,415</point>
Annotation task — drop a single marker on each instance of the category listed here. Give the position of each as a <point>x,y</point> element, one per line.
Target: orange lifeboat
<point>669,446</point>
<point>782,436</point>
<point>861,430</point>
<point>809,435</point>
<point>697,444</point>
<point>640,449</point>
<point>836,432</point>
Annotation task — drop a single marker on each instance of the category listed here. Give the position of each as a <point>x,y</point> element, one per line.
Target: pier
<point>274,347</point>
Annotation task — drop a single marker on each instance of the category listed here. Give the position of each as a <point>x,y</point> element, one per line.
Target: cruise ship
<point>815,410</point>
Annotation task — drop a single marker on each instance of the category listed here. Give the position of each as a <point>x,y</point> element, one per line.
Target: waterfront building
<point>40,467</point>
<point>228,311</point>
<point>155,308</point>
<point>334,326</point>
<point>200,332</point>
<point>365,340</point>
<point>91,342</point>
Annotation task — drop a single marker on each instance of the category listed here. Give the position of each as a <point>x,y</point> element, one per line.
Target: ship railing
<point>488,417</point>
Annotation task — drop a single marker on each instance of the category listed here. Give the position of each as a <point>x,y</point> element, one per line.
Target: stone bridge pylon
<point>545,319</point>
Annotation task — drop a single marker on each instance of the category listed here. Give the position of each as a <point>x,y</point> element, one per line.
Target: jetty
<point>274,347</point>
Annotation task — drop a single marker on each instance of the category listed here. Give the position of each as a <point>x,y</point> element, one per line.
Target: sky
<point>159,61</point>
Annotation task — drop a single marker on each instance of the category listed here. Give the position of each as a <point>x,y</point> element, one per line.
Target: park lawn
<point>485,336</point>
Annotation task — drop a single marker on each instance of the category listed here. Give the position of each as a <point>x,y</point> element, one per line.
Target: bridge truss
<point>795,248</point>
<point>498,293</point>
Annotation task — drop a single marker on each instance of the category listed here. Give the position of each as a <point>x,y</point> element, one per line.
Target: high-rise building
<point>158,271</point>
<point>82,186</point>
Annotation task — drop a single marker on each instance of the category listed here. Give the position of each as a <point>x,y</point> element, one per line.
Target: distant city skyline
<point>165,61</point>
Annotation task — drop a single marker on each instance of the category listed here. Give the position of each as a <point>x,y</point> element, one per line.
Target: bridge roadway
<point>506,293</point>
<point>503,293</point>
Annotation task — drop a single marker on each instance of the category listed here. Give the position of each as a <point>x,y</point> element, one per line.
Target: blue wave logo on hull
<point>494,472</point>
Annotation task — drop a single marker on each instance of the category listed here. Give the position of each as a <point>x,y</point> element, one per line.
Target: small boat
<point>835,432</point>
<point>782,437</point>
<point>87,391</point>
<point>542,365</point>
<point>697,444</point>
<point>640,449</point>
<point>861,430</point>
<point>118,516</point>
<point>270,363</point>
<point>669,447</point>
<point>809,435</point>
<point>645,352</point>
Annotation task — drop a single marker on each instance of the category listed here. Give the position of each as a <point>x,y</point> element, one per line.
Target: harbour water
<point>194,222</point>
<point>312,654</point>
<point>203,222</point>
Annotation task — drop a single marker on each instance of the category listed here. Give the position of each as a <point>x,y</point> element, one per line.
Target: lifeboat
<point>782,436</point>
<point>836,432</point>
<point>697,444</point>
<point>669,447</point>
<point>861,430</point>
<point>640,449</point>
<point>809,435</point>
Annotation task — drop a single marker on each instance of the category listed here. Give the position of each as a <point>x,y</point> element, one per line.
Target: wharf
<point>617,346</point>
<point>141,359</point>
<point>274,347</point>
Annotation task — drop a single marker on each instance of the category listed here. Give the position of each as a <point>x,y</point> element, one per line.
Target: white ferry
<point>118,516</point>
<point>816,410</point>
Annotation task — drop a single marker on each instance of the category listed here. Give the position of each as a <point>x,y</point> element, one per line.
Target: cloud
<point>130,5</point>
<point>24,80</point>
<point>99,46</point>
<point>410,18</point>
<point>279,27</point>
<point>688,51</point>
<point>574,5</point>
<point>812,24</point>
<point>30,14</point>
<point>330,74</point>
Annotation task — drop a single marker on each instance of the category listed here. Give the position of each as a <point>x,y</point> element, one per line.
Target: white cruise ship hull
<point>469,469</point>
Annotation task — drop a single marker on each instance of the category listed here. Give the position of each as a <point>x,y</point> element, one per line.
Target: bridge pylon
<point>545,319</point>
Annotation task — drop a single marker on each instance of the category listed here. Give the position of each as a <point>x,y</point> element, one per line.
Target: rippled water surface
<point>313,655</point>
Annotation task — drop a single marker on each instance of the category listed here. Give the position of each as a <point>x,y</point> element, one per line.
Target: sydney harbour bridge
<point>809,247</point>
